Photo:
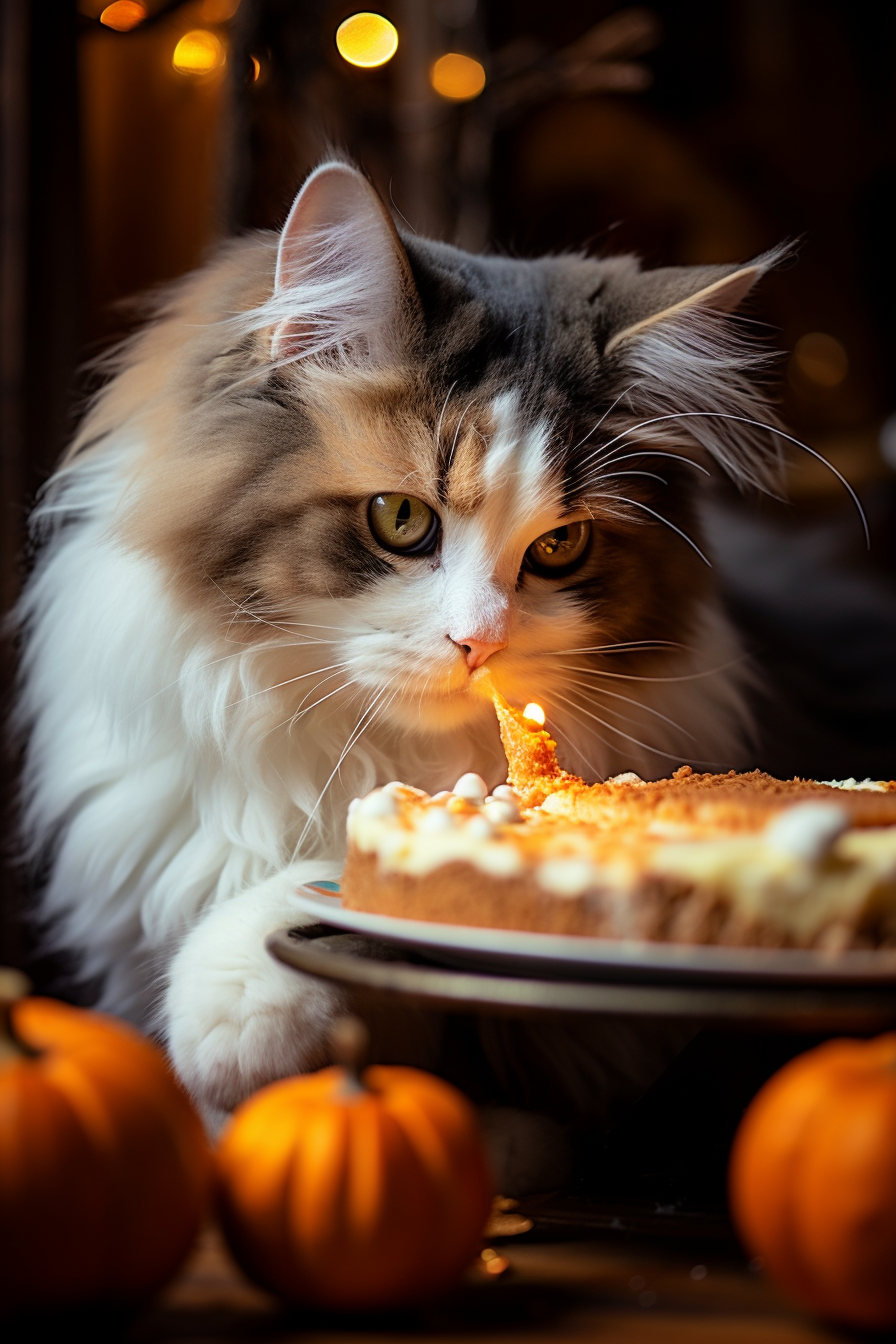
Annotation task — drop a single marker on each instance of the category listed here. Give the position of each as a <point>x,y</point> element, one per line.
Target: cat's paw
<point>230,1035</point>
<point>235,1038</point>
<point>528,1153</point>
<point>234,1018</point>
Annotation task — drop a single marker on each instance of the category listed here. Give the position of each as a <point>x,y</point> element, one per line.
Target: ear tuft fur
<point>693,367</point>
<point>342,286</point>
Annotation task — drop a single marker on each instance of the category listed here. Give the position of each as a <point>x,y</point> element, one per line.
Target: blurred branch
<point>601,60</point>
<point>525,72</point>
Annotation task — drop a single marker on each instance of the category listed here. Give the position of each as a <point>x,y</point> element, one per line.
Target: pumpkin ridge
<point>762,1177</point>
<point>123,1164</point>
<point>139,1137</point>
<point>847,1182</point>
<point>54,1154</point>
<point>361,1197</point>
<point>317,1184</point>
<point>813,1179</point>
<point>253,1189</point>
<point>367,1140</point>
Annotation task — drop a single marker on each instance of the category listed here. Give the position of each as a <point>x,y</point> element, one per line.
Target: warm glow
<point>495,1264</point>
<point>123,15</point>
<point>256,69</point>
<point>820,359</point>
<point>492,1262</point>
<point>198,53</point>
<point>218,11</point>
<point>534,713</point>
<point>367,40</point>
<point>458,77</point>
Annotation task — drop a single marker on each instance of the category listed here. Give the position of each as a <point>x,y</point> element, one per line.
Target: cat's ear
<point>343,282</point>
<point>653,299</point>
<point>688,367</point>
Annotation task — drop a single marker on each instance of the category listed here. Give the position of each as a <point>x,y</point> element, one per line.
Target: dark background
<point>688,132</point>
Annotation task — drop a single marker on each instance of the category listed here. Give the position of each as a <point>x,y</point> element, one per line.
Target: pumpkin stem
<point>349,1043</point>
<point>13,986</point>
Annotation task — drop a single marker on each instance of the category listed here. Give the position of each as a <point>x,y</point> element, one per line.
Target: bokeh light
<point>199,52</point>
<point>457,77</point>
<point>123,15</point>
<point>218,11</point>
<point>367,40</point>
<point>819,359</point>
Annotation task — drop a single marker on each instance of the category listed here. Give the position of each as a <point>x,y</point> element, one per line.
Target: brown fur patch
<point>259,499</point>
<point>469,445</point>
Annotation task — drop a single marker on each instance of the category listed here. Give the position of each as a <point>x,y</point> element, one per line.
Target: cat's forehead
<point>459,451</point>
<point>503,324</point>
<point>506,374</point>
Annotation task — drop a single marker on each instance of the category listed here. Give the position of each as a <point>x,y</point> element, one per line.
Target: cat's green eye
<point>559,551</point>
<point>403,524</point>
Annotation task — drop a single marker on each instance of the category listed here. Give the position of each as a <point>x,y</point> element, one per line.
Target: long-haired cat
<point>336,473</point>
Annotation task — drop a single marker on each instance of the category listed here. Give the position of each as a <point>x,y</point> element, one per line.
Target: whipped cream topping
<point>808,830</point>
<point>472,787</point>
<point>805,871</point>
<point>466,824</point>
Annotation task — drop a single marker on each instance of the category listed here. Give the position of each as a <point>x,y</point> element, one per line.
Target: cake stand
<point>410,974</point>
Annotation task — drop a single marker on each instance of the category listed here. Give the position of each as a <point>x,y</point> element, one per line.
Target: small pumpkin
<point>105,1171</point>
<point>354,1192</point>
<point>813,1179</point>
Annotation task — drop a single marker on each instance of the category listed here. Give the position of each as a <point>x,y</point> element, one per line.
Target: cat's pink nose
<point>476,651</point>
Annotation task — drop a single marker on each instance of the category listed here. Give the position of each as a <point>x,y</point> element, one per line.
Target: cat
<point>337,472</point>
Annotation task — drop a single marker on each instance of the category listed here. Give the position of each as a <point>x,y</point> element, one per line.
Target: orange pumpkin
<point>104,1166</point>
<point>354,1193</point>
<point>813,1179</point>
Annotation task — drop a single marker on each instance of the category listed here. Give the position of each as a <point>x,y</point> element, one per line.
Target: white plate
<point>565,958</point>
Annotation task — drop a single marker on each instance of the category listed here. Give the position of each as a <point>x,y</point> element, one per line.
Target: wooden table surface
<point>607,1288</point>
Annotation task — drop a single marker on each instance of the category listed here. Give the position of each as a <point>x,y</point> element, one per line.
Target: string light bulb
<point>534,713</point>
<point>457,77</point>
<point>123,15</point>
<point>366,40</point>
<point>820,359</point>
<point>199,52</point>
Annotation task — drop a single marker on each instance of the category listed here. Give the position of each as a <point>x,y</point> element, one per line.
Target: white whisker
<point>607,412</point>
<point>302,708</point>
<point>314,625</point>
<point>438,433</point>
<point>629,646</point>
<point>657,751</point>
<point>648,452</point>
<point>639,504</point>
<point>630,676</point>
<point>353,737</point>
<point>240,608</point>
<point>457,431</point>
<point>573,714</point>
<point>290,681</point>
<point>618,475</point>
<point>573,745</point>
<point>755,424</point>
<point>636,704</point>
